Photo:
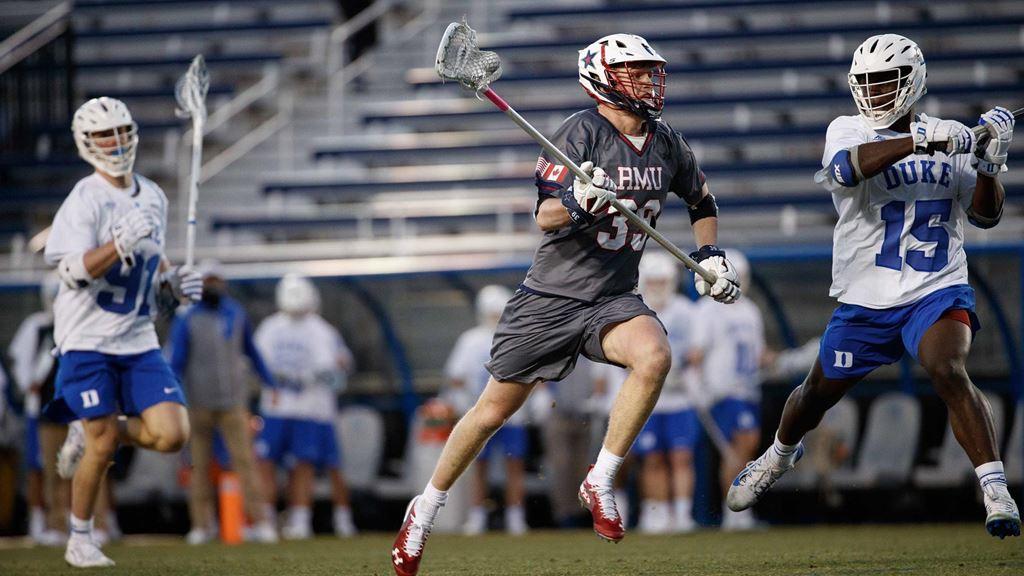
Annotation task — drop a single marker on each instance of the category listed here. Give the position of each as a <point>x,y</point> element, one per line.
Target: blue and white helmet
<point>607,84</point>
<point>297,295</point>
<point>94,126</point>
<point>882,60</point>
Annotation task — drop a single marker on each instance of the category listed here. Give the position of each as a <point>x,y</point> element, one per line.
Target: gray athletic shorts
<point>539,336</point>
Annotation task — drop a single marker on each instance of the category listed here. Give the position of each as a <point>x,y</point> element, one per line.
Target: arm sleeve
<point>179,345</point>
<point>688,182</point>
<point>842,134</point>
<point>552,178</point>
<point>254,355</point>
<point>73,230</point>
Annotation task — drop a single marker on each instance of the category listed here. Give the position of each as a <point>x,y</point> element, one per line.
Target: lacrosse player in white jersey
<point>728,352</point>
<point>310,362</point>
<point>467,378</point>
<point>903,184</point>
<point>107,241</point>
<point>665,445</point>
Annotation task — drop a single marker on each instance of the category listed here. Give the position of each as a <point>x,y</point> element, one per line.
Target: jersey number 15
<point>894,215</point>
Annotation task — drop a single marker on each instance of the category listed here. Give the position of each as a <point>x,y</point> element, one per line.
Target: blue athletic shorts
<point>285,441</point>
<point>512,441</point>
<point>33,450</point>
<point>93,384</point>
<point>857,339</point>
<point>733,415</point>
<point>666,431</point>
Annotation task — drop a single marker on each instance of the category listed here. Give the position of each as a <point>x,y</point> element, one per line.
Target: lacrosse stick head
<point>190,90</point>
<point>459,58</point>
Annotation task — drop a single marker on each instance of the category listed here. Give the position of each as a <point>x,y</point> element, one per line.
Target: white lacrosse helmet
<point>490,303</point>
<point>296,294</point>
<point>887,76</point>
<point>113,155</point>
<point>659,276</point>
<point>619,89</point>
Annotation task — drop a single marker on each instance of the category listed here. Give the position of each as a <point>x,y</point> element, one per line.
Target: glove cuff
<point>577,214</point>
<point>706,251</point>
<point>919,131</point>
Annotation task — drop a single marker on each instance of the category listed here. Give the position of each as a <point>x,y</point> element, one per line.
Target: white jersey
<point>900,234</point>
<point>31,360</point>
<point>678,320</point>
<point>299,352</point>
<point>466,363</point>
<point>732,339</point>
<point>113,314</point>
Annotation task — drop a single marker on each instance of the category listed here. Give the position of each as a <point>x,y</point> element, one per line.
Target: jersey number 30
<point>894,215</point>
<point>619,235</point>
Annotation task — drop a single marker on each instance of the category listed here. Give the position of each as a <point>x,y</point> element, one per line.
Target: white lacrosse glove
<point>949,136</point>
<point>133,226</point>
<point>992,147</point>
<point>727,288</point>
<point>584,201</point>
<point>185,282</point>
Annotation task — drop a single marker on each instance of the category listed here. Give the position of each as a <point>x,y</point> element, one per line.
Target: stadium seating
<point>887,450</point>
<point>952,466</point>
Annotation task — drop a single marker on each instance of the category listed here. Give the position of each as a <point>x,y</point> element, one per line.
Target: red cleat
<point>407,550</point>
<point>601,504</point>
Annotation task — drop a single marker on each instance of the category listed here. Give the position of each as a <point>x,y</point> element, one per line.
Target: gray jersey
<point>601,259</point>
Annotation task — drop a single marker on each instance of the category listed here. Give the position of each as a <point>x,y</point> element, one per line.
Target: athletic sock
<point>429,503</point>
<point>603,473</point>
<point>342,517</point>
<point>683,509</point>
<point>80,529</point>
<point>299,516</point>
<point>783,450</point>
<point>991,475</point>
<point>36,521</point>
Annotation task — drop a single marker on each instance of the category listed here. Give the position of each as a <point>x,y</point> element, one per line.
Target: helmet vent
<point>873,46</point>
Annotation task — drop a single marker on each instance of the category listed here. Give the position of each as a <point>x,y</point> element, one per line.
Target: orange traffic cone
<point>232,512</point>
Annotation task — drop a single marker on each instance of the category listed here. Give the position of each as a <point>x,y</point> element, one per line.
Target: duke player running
<point>899,269</point>
<point>107,241</point>
<point>665,445</point>
<point>578,296</point>
<point>310,362</point>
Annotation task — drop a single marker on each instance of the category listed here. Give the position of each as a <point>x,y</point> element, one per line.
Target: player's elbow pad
<point>843,168</point>
<point>984,222</point>
<point>706,208</point>
<point>71,270</point>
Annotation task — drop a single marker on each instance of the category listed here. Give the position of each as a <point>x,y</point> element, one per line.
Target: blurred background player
<point>467,378</point>
<point>901,288</point>
<point>665,445</point>
<point>34,369</point>
<point>728,351</point>
<point>311,363</point>
<point>107,242</point>
<point>210,343</point>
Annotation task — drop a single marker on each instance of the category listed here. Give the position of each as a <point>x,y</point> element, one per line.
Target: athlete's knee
<point>652,360</point>
<point>490,416</point>
<point>949,376</point>
<point>171,437</point>
<point>102,446</point>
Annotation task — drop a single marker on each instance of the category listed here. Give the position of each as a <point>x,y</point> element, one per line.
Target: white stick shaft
<point>709,276</point>
<point>193,192</point>
<point>717,437</point>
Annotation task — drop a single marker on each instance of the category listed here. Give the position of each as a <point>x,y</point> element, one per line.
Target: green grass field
<point>876,550</point>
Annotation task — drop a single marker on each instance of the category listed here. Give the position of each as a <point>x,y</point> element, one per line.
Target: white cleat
<point>264,533</point>
<point>50,538</point>
<point>82,553</point>
<point>476,522</point>
<point>197,537</point>
<point>758,476</point>
<point>1002,517</point>
<point>71,451</point>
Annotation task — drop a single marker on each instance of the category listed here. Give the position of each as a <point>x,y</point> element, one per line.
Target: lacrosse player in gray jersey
<point>580,294</point>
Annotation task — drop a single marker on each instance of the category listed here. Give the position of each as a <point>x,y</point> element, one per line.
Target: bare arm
<point>988,197</point>
<point>552,215</point>
<point>99,261</point>
<point>874,157</point>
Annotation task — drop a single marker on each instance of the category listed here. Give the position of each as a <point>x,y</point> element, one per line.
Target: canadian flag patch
<point>551,172</point>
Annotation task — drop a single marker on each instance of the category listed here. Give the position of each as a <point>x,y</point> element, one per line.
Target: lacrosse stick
<point>190,92</point>
<point>459,59</point>
<point>717,436</point>
<point>979,132</point>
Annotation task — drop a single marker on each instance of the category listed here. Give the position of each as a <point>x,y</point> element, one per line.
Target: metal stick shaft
<point>709,276</point>
<point>193,192</point>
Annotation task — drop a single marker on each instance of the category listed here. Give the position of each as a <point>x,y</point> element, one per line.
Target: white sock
<point>516,512</point>
<point>299,516</point>
<point>80,529</point>
<point>683,509</point>
<point>270,514</point>
<point>342,516</point>
<point>36,521</point>
<point>605,469</point>
<point>991,474</point>
<point>783,450</point>
<point>429,503</point>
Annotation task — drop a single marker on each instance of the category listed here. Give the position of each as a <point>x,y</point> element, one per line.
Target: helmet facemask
<point>639,86</point>
<point>882,97</point>
<point>111,150</point>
